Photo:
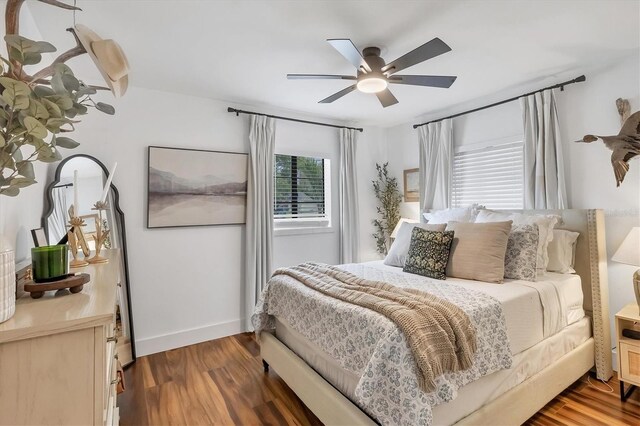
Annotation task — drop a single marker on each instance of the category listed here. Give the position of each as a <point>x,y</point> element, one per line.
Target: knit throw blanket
<point>439,333</point>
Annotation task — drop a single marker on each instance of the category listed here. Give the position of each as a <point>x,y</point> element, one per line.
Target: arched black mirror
<point>92,176</point>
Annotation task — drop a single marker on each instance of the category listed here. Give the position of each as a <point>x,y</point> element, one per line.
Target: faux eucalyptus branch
<point>389,197</point>
<point>35,111</point>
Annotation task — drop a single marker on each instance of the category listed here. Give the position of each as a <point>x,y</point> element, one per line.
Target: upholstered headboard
<point>591,265</point>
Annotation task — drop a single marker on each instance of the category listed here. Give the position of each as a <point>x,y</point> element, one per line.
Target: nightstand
<point>628,349</point>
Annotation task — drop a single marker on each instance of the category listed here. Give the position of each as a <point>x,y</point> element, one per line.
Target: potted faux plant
<point>389,197</point>
<point>37,113</point>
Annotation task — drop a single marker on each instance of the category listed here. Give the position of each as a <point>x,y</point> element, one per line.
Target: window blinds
<point>299,187</point>
<point>491,176</point>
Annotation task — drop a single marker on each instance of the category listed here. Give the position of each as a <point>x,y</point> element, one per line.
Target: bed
<point>552,343</point>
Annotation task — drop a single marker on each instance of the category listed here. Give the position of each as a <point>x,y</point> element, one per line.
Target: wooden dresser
<point>58,355</point>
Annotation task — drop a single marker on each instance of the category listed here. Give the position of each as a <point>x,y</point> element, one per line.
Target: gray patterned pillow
<point>429,253</point>
<point>521,258</point>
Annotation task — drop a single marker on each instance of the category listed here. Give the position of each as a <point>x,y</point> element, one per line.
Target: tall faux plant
<point>389,197</point>
<point>36,110</point>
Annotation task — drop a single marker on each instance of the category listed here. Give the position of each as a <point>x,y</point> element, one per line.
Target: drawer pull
<point>112,339</point>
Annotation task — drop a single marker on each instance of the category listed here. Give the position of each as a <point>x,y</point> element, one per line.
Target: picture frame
<point>39,237</point>
<point>195,187</point>
<point>89,230</point>
<point>411,185</point>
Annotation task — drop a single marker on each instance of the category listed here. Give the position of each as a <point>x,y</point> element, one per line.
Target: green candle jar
<point>49,263</point>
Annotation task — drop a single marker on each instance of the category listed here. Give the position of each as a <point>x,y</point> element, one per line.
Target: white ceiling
<point>240,51</point>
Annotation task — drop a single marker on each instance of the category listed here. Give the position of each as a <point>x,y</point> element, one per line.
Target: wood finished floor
<point>221,382</point>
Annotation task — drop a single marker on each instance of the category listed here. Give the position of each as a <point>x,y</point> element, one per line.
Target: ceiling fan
<point>374,74</point>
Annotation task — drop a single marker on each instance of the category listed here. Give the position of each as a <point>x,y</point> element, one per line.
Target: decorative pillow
<point>402,220</point>
<point>461,214</point>
<point>478,250</point>
<point>545,229</point>
<point>522,253</point>
<point>400,247</point>
<point>429,253</point>
<point>562,251</point>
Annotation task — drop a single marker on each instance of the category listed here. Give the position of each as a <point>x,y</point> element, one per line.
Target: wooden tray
<point>74,282</point>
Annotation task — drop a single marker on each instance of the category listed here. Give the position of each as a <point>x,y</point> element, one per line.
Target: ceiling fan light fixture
<point>373,84</point>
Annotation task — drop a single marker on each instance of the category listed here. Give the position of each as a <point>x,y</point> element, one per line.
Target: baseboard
<point>165,342</point>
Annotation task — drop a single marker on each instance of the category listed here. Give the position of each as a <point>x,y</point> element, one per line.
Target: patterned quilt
<point>373,347</point>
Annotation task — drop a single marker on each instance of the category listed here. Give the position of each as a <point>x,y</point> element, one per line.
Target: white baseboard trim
<point>165,342</point>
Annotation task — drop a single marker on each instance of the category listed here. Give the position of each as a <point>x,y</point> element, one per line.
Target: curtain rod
<point>239,111</point>
<point>555,86</point>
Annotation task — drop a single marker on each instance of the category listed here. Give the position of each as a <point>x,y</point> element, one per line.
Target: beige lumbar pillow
<point>478,250</point>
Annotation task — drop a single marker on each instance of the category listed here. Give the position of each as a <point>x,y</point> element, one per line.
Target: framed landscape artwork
<point>189,187</point>
<point>411,185</point>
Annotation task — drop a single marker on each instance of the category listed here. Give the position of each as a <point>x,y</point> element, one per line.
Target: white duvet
<point>508,317</point>
<point>533,310</point>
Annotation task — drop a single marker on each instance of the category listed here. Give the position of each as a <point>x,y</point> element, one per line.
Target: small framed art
<point>39,237</point>
<point>411,185</point>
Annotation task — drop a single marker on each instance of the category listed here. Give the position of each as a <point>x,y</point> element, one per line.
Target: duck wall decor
<point>625,145</point>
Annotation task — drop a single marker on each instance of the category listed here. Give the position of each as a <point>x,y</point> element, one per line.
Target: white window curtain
<point>544,181</point>
<point>348,189</point>
<point>436,158</point>
<point>259,230</point>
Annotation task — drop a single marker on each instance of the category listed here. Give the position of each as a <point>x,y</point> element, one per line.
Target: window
<point>492,176</point>
<point>301,190</point>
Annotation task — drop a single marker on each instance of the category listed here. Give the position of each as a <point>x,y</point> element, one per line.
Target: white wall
<point>590,108</point>
<point>186,282</point>
<point>583,108</point>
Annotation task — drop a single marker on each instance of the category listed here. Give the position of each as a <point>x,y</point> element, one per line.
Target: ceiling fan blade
<point>444,81</point>
<point>347,49</point>
<point>338,95</point>
<point>429,50</point>
<point>319,76</point>
<point>386,98</point>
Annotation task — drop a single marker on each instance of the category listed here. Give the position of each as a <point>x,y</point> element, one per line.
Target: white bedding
<point>509,318</point>
<point>525,365</point>
<point>470,397</point>
<point>551,303</point>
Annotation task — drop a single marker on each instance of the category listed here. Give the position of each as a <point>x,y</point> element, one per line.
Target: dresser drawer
<point>110,361</point>
<point>111,416</point>
<point>111,391</point>
<point>630,363</point>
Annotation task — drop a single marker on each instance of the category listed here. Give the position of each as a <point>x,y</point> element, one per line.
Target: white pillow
<point>399,224</point>
<point>562,251</point>
<point>400,248</point>
<point>460,214</point>
<point>545,230</point>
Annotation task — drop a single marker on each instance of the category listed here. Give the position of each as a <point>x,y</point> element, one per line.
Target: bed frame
<point>524,400</point>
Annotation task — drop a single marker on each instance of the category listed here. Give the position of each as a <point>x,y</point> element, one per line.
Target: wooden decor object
<point>101,234</point>
<point>75,284</point>
<point>77,240</point>
<point>625,145</point>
